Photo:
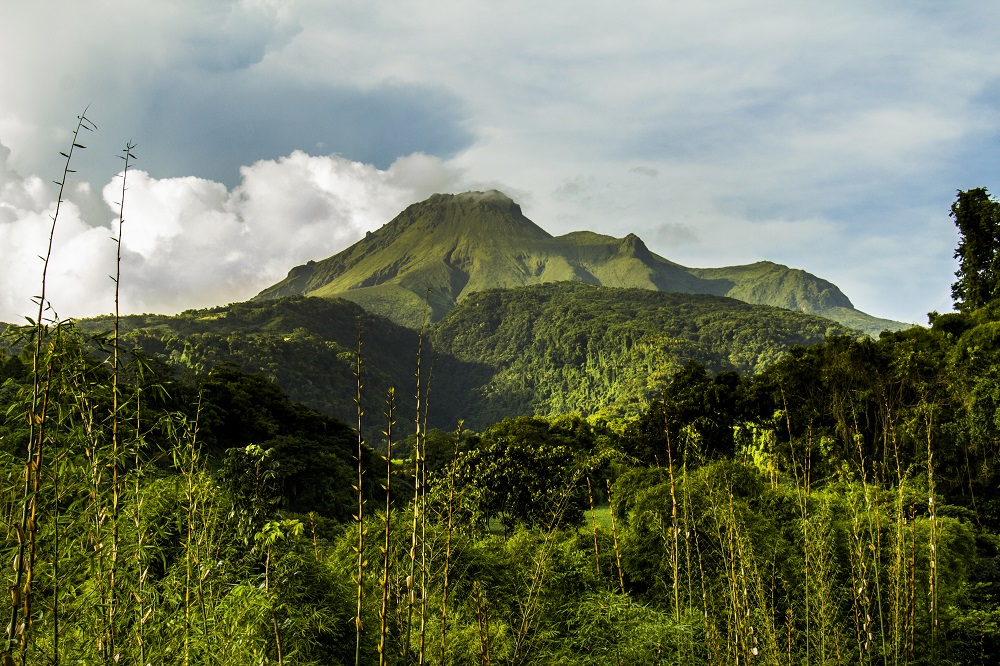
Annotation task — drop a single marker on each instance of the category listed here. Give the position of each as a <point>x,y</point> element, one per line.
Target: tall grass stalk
<point>390,400</point>
<point>81,390</point>
<point>859,554</point>
<point>422,443</point>
<point>417,493</point>
<point>33,476</point>
<point>689,528</point>
<point>27,527</point>
<point>116,466</point>
<point>593,521</point>
<point>932,575</point>
<point>803,489</point>
<point>674,527</point>
<point>614,534</point>
<point>191,501</point>
<point>141,561</point>
<point>360,548</point>
<point>483,619</point>
<point>447,543</point>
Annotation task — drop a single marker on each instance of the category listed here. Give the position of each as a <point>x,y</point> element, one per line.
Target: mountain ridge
<point>438,251</point>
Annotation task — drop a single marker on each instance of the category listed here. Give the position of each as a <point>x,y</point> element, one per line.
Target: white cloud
<point>190,242</point>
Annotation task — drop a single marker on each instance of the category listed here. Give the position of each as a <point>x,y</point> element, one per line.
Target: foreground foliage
<point>841,506</point>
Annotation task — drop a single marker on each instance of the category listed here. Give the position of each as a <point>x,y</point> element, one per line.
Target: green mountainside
<point>559,348</point>
<point>546,349</point>
<point>793,289</point>
<point>308,346</point>
<point>437,252</point>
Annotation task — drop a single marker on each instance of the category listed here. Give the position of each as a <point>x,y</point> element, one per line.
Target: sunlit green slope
<point>774,284</point>
<point>437,252</point>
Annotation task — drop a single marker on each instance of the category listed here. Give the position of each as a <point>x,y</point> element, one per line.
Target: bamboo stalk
<point>191,500</point>
<point>614,533</point>
<point>593,520</point>
<point>360,516</point>
<point>384,613</point>
<point>115,442</point>
<point>484,625</point>
<point>410,591</point>
<point>141,569</point>
<point>932,575</point>
<point>447,547</point>
<point>674,527</point>
<point>423,523</point>
<point>36,426</point>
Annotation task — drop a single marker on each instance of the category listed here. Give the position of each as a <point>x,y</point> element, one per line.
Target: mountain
<point>768,283</point>
<point>543,349</point>
<point>437,252</point>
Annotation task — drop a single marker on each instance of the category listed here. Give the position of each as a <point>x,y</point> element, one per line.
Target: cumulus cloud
<point>190,242</point>
<point>27,206</point>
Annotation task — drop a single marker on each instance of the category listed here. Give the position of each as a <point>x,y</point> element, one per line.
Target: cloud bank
<point>190,242</point>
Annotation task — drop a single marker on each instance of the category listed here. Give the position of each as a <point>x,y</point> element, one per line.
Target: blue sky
<point>830,137</point>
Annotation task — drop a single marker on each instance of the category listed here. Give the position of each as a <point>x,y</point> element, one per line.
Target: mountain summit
<point>438,251</point>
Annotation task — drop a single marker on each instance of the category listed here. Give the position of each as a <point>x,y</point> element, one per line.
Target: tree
<point>977,217</point>
<point>526,471</point>
<point>712,405</point>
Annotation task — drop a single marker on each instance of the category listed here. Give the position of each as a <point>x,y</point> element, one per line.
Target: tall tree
<point>977,217</point>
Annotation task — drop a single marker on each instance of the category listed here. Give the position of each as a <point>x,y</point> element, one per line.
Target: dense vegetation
<point>543,350</point>
<point>568,347</point>
<point>306,346</point>
<point>839,506</point>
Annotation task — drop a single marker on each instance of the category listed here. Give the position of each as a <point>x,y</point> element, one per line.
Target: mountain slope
<point>567,347</point>
<point>793,289</point>
<point>542,349</point>
<point>441,250</point>
<point>437,252</point>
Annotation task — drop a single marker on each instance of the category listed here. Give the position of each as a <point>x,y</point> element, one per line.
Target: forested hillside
<point>839,506</point>
<point>559,348</point>
<point>306,346</point>
<point>549,349</point>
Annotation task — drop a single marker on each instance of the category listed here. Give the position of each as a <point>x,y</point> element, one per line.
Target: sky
<point>830,137</point>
